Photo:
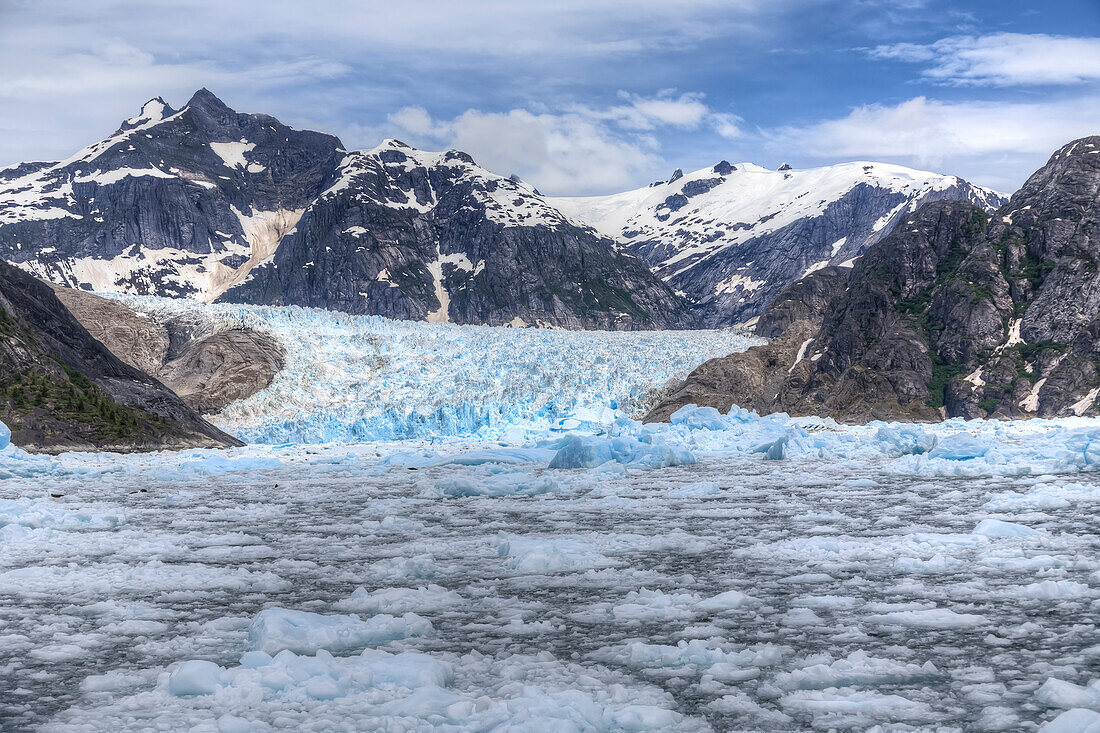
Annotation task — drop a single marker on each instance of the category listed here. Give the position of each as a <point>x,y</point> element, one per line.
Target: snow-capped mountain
<point>433,236</point>
<point>732,237</point>
<point>187,203</point>
<point>179,203</point>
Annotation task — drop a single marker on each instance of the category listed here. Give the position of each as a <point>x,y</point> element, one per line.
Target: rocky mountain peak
<point>153,111</point>
<point>206,101</point>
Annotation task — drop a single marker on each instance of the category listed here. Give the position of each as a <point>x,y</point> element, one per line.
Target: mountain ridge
<point>208,203</point>
<point>954,314</point>
<point>733,236</point>
<point>189,202</point>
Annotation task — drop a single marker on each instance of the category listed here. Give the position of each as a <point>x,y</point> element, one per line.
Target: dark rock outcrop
<point>222,367</point>
<point>61,389</point>
<point>207,368</point>
<point>952,314</point>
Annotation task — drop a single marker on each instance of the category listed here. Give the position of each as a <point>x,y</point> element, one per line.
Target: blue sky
<point>581,96</point>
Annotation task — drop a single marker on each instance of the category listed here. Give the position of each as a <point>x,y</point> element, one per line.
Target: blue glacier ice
<point>358,378</point>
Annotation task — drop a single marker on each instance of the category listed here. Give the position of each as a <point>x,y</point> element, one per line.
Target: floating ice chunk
<point>400,600</point>
<point>728,601</point>
<point>855,708</point>
<point>695,654</point>
<point>1049,590</point>
<point>1061,694</point>
<point>775,450</point>
<point>930,618</point>
<point>699,418</point>
<point>498,455</point>
<point>696,490</point>
<point>960,447</point>
<point>111,682</point>
<point>18,463</point>
<point>997,718</point>
<point>502,484</point>
<point>938,563</point>
<point>195,677</point>
<point>405,568</point>
<point>228,723</point>
<point>1078,720</point>
<point>644,717</point>
<point>904,440</point>
<point>1001,529</point>
<point>275,629</point>
<point>589,452</point>
<point>53,515</point>
<point>548,555</point>
<point>409,670</point>
<point>654,605</point>
<point>858,668</point>
<point>797,617</point>
<point>806,579</point>
<point>215,463</point>
<point>1042,498</point>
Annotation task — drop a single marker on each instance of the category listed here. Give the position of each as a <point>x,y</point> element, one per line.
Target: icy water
<point>722,573</point>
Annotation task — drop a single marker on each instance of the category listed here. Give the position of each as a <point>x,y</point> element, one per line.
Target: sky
<point>580,97</point>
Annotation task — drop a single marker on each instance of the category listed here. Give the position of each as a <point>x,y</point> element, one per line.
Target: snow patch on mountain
<point>232,153</point>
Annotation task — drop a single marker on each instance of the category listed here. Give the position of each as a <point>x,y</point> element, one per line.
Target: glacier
<point>449,528</point>
<point>360,378</point>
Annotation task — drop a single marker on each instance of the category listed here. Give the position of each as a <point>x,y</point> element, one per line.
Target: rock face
<point>733,237</point>
<point>432,236</point>
<point>207,368</point>
<point>208,203</point>
<point>61,389</point>
<point>222,367</point>
<point>952,314</point>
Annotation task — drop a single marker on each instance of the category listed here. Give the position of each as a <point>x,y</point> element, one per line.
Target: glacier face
<point>356,378</point>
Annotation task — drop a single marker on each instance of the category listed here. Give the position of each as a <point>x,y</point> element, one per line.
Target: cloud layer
<point>577,96</point>
<point>1002,59</point>
<point>990,142</point>
<point>576,151</point>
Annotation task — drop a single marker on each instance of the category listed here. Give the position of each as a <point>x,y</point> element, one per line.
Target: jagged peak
<point>153,111</point>
<point>206,100</point>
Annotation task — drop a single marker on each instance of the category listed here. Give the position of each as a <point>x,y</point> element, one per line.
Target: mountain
<point>953,314</point>
<point>733,237</point>
<point>208,203</point>
<point>417,235</point>
<point>176,203</point>
<point>61,389</point>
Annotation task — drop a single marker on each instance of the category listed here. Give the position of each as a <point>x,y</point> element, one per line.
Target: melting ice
<point>532,571</point>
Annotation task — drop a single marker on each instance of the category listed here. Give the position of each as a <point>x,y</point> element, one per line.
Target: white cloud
<point>1002,59</point>
<point>997,144</point>
<point>575,151</point>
